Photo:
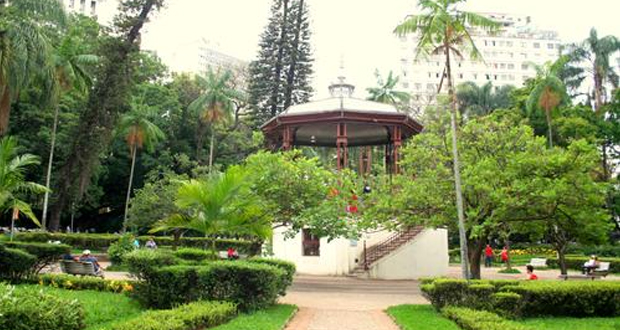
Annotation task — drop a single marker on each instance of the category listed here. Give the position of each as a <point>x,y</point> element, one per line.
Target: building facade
<point>507,59</point>
<point>84,7</point>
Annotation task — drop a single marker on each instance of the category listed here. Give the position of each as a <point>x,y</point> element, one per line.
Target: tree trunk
<point>5,110</point>
<point>211,147</point>
<point>200,135</point>
<point>475,257</point>
<point>549,130</point>
<point>456,166</point>
<point>290,77</point>
<point>134,151</point>
<point>508,265</point>
<point>598,90</point>
<point>279,58</point>
<point>562,259</point>
<point>49,170</point>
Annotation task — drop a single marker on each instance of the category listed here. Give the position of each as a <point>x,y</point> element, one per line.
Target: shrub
<point>469,319</point>
<point>120,248</point>
<point>288,268</point>
<point>45,253</point>
<point>194,254</point>
<point>252,286</point>
<point>507,304</point>
<point>143,262</point>
<point>444,292</point>
<point>198,315</point>
<point>15,264</point>
<point>71,282</point>
<point>576,263</point>
<point>601,250</point>
<point>35,310</point>
<point>576,299</point>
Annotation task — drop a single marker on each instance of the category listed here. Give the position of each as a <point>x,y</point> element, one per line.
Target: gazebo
<point>343,121</point>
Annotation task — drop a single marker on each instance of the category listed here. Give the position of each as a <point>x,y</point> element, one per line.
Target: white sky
<point>360,31</point>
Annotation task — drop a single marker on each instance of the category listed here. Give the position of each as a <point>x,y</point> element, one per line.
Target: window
<point>475,76</point>
<point>509,43</point>
<point>549,46</point>
<point>537,45</point>
<point>311,244</point>
<point>493,42</point>
<point>418,86</point>
<point>405,84</point>
<point>429,75</point>
<point>523,44</point>
<point>524,66</point>
<point>502,66</point>
<point>460,75</point>
<point>523,55</point>
<point>437,75</point>
<point>511,66</point>
<point>93,7</point>
<point>430,87</point>
<point>488,76</point>
<point>495,77</point>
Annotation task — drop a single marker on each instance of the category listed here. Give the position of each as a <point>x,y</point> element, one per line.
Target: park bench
<point>538,262</point>
<point>601,271</point>
<point>79,268</point>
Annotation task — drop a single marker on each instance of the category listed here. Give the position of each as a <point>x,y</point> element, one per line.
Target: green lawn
<point>101,308</point>
<point>420,317</point>
<point>273,318</point>
<point>561,323</point>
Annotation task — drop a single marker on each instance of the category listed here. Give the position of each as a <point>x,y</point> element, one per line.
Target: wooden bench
<point>80,268</point>
<point>538,262</point>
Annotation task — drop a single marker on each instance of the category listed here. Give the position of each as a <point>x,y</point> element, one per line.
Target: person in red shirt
<point>504,255</point>
<point>488,253</point>
<point>530,273</point>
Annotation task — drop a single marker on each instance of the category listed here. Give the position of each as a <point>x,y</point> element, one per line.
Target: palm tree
<point>596,52</point>
<point>215,104</point>
<point>477,100</point>
<point>443,29</point>
<point>220,205</point>
<point>548,92</point>
<point>24,47</point>
<point>67,72</point>
<point>139,131</point>
<point>13,184</point>
<point>385,93</point>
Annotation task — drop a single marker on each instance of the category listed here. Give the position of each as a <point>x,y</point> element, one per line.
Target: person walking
<point>504,255</point>
<point>488,253</point>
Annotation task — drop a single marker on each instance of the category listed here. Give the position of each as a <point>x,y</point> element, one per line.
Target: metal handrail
<point>383,248</point>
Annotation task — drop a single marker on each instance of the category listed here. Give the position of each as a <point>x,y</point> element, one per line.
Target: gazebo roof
<point>315,123</point>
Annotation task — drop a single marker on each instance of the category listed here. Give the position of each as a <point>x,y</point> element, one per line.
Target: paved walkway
<point>343,303</point>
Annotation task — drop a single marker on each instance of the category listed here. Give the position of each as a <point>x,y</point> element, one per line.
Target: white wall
<point>425,256</point>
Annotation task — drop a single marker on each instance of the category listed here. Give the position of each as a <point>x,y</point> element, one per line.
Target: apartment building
<point>507,59</point>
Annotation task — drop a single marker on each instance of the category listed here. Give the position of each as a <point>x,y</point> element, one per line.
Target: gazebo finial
<point>341,89</point>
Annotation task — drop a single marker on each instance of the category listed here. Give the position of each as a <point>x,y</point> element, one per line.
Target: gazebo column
<point>287,138</point>
<point>341,145</point>
<point>396,144</point>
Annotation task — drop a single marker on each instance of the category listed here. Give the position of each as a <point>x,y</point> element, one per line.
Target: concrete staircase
<point>375,253</point>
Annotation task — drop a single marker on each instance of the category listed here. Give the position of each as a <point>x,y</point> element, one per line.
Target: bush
<point>288,268</point>
<point>507,304</point>
<point>15,264</point>
<point>252,286</point>
<point>194,254</point>
<point>143,262</point>
<point>470,319</point>
<point>45,253</point>
<point>576,263</point>
<point>120,248</point>
<point>576,299</point>
<point>198,315</point>
<point>71,282</point>
<point>601,250</point>
<point>444,292</point>
<point>35,310</point>
<point>103,241</point>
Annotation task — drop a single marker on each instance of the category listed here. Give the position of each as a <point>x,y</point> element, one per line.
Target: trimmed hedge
<point>252,286</point>
<point>35,310</point>
<point>46,254</point>
<point>103,241</point>
<point>576,263</point>
<point>71,282</point>
<point>198,315</point>
<point>143,262</point>
<point>455,292</point>
<point>470,319</point>
<point>15,264</point>
<point>195,254</point>
<point>121,247</point>
<point>288,268</point>
<point>576,299</point>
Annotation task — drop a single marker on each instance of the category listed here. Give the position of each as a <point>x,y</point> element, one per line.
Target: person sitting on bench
<point>590,265</point>
<point>87,257</point>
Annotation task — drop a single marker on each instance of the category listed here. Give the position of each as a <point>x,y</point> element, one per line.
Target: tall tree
<point>69,71</point>
<point>13,184</point>
<point>215,104</point>
<point>548,93</point>
<point>444,29</point>
<point>280,76</point>
<point>139,131</point>
<point>108,99</point>
<point>386,93</point>
<point>25,48</point>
